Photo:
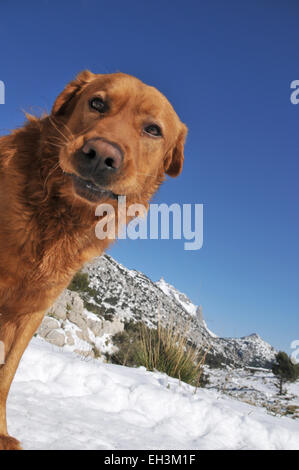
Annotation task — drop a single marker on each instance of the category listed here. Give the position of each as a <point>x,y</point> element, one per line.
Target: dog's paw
<point>9,443</point>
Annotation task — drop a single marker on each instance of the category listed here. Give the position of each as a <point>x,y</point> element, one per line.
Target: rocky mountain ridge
<point>85,321</point>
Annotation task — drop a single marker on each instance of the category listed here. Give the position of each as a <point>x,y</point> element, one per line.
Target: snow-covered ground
<point>59,401</point>
<point>257,387</point>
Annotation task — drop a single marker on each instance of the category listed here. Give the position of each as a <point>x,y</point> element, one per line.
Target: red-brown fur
<point>47,231</point>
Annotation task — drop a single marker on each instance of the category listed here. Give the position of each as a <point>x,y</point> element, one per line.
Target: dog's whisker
<point>57,138</point>
<point>56,166</point>
<point>60,132</point>
<point>68,129</point>
<point>146,174</point>
<point>52,143</point>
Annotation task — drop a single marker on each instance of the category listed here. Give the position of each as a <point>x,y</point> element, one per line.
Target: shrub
<point>163,349</point>
<point>98,310</point>
<point>127,342</point>
<point>79,283</point>
<point>216,360</point>
<point>285,370</point>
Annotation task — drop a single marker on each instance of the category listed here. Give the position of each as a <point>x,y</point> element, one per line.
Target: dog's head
<point>118,136</point>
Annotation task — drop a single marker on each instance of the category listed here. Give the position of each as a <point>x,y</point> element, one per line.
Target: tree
<point>285,370</point>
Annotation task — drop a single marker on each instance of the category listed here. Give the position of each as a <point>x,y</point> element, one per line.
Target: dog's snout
<point>98,160</point>
<point>102,155</point>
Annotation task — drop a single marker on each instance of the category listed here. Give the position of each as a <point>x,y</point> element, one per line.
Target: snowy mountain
<point>136,297</point>
<point>86,320</point>
<point>249,350</point>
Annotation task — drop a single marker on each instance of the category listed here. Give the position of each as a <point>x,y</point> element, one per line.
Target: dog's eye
<point>98,104</point>
<point>153,129</point>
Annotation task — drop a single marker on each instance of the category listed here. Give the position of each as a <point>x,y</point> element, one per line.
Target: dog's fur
<point>47,229</point>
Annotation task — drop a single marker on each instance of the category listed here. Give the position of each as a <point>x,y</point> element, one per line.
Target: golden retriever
<point>106,136</point>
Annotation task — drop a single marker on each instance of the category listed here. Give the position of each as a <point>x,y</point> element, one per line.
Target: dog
<point>107,135</point>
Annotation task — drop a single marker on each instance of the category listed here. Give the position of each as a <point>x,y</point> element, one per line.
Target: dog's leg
<point>15,334</point>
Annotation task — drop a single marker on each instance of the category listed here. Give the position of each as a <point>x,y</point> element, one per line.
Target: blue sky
<point>227,68</point>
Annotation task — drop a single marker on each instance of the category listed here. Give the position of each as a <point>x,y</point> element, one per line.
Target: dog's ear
<point>71,90</point>
<point>175,157</point>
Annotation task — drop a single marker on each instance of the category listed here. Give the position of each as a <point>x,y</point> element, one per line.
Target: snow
<point>208,330</point>
<point>181,298</point>
<point>59,401</point>
<point>184,302</point>
<point>255,385</point>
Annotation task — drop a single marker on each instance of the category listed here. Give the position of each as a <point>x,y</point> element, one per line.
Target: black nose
<point>99,159</point>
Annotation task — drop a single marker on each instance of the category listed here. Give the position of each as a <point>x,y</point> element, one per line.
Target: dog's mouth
<point>87,189</point>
